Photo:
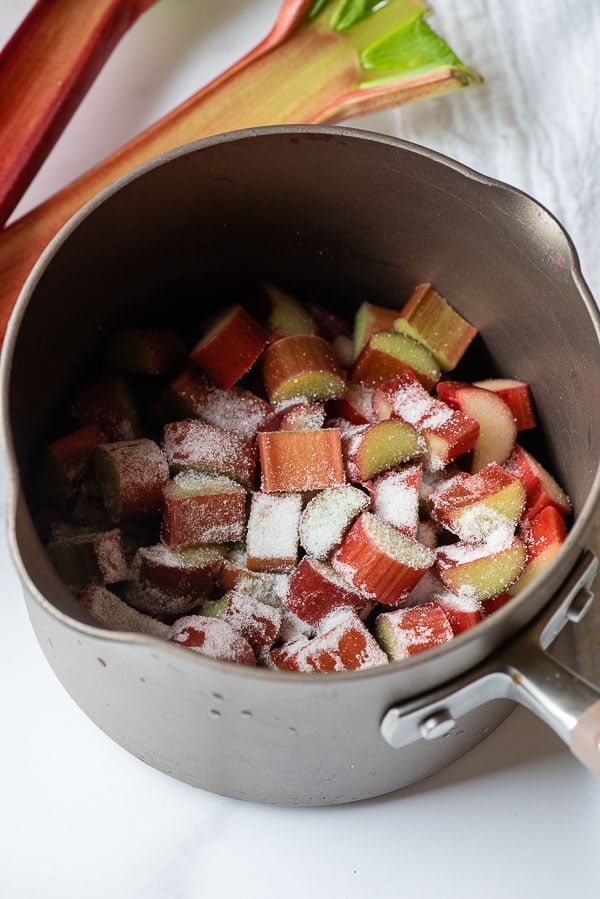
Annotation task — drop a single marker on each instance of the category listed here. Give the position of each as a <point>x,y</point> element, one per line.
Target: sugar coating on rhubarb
<point>396,499</point>
<point>397,545</point>
<point>327,517</point>
<point>212,637</point>
<point>114,613</point>
<point>191,483</point>
<point>236,409</point>
<point>406,632</point>
<point>195,444</point>
<point>272,534</point>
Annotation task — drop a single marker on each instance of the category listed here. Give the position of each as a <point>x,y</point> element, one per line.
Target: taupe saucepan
<point>343,216</point>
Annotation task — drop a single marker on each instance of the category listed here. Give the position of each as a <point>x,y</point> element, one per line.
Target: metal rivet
<point>436,725</point>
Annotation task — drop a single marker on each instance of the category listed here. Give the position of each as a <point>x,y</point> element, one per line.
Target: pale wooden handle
<point>585,739</point>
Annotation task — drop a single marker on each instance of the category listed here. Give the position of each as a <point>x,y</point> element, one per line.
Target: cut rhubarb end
<point>407,632</point>
<point>343,644</point>
<point>65,462</point>
<point>545,529</point>
<point>301,366</point>
<point>463,612</point>
<point>315,590</point>
<point>476,506</point>
<point>203,508</point>
<point>396,499</point>
<point>428,317</point>
<point>212,637</point>
<point>112,612</point>
<point>355,406</point>
<point>540,487</point>
<point>372,449</point>
<point>282,313</point>
<point>517,395</point>
<point>369,320</point>
<point>389,353</point>
<point>296,461</point>
<point>272,534</point>
<point>131,475</point>
<point>203,447</point>
<point>89,558</point>
<point>533,569</point>
<point>230,346</point>
<point>166,581</point>
<point>497,427</point>
<point>257,621</point>
<point>381,561</point>
<point>480,570</point>
<point>327,518</point>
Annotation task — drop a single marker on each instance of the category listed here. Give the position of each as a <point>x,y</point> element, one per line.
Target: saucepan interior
<point>337,216</point>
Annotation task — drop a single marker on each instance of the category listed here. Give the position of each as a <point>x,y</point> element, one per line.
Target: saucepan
<point>343,216</point>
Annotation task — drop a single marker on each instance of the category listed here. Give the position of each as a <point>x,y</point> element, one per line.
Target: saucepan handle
<point>524,672</point>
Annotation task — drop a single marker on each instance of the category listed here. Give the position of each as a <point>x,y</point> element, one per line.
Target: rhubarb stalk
<point>46,69</point>
<point>323,60</point>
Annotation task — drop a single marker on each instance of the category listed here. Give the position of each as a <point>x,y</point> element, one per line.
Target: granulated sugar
<point>328,516</point>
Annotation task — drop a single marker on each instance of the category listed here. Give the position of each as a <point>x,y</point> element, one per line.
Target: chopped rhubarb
<point>497,426</point>
<point>389,353</point>
<point>474,506</point>
<point>236,409</point>
<point>327,517</point>
<point>543,535</point>
<point>368,320</point>
<point>167,581</point>
<point>540,487</point>
<point>396,498</point>
<point>315,590</point>
<point>89,557</point>
<point>257,621</point>
<point>356,405</point>
<point>517,395</point>
<point>269,587</point>
<point>131,475</point>
<point>301,366</point>
<point>407,632</point>
<point>230,346</point>
<point>294,461</point>
<point>370,449</point>
<point>108,404</point>
<point>272,534</point>
<point>65,461</point>
<point>203,508</point>
<point>295,416</point>
<point>148,351</point>
<point>204,447</point>
<point>491,605</point>
<point>114,613</point>
<point>448,432</point>
<point>343,644</point>
<point>281,312</point>
<point>463,612</point>
<point>212,637</point>
<point>381,561</point>
<point>480,570</point>
<point>429,318</point>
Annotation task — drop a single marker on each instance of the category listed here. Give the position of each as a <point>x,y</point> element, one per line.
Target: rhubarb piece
<point>257,621</point>
<point>491,605</point>
<point>315,590</point>
<point>474,506</point>
<point>344,644</point>
<point>543,535</point>
<point>230,346</point>
<point>480,570</point>
<point>463,612</point>
<point>396,498</point>
<point>429,318</point>
<point>371,449</point>
<point>321,62</point>
<point>301,366</point>
<point>131,475</point>
<point>370,319</point>
<point>269,587</point>
<point>296,416</point>
<point>283,313</point>
<point>46,69</point>
<point>212,637</point>
<point>497,427</point>
<point>202,508</point>
<point>293,461</point>
<point>389,353</point>
<point>108,404</point>
<point>272,534</point>
<point>517,395</point>
<point>327,517</point>
<point>355,406</point>
<point>206,448</point>
<point>236,409</point>
<point>448,432</point>
<point>381,561</point>
<point>65,462</point>
<point>407,632</point>
<point>165,581</point>
<point>540,487</point>
<point>114,613</point>
<point>89,558</point>
<point>148,351</point>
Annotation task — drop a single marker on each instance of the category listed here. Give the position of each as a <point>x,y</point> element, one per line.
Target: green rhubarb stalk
<point>46,69</point>
<point>322,61</point>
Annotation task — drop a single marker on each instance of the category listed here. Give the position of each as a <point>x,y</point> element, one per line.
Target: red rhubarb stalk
<point>323,60</point>
<point>45,71</point>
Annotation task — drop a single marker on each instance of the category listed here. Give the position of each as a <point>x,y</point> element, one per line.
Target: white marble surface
<point>517,816</point>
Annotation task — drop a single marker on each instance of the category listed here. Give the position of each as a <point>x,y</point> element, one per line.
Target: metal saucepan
<point>344,216</point>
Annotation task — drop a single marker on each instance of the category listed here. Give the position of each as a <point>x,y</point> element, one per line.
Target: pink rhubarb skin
<point>303,71</point>
<point>46,69</point>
